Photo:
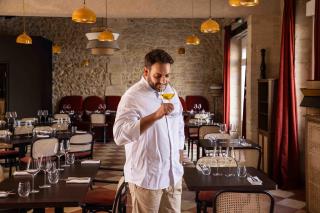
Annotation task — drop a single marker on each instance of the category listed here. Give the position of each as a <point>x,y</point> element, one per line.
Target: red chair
<point>183,103</point>
<point>195,99</point>
<point>91,104</point>
<point>74,101</point>
<point>112,102</point>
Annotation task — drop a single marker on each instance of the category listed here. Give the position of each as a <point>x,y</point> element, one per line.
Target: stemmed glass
<point>167,94</point>
<point>46,165</point>
<point>33,168</point>
<point>223,128</point>
<point>215,158</point>
<point>14,116</point>
<point>45,114</point>
<point>39,113</point>
<point>229,160</point>
<point>66,149</point>
<point>59,151</point>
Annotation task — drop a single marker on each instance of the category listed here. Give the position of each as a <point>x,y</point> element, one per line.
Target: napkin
<point>246,144</point>
<point>4,194</point>
<point>254,180</point>
<point>20,173</point>
<point>78,180</point>
<point>43,136</point>
<point>80,132</point>
<point>90,161</point>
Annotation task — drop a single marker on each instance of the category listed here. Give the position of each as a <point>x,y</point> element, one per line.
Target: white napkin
<point>4,194</point>
<point>43,136</point>
<point>254,180</point>
<point>80,132</point>
<point>90,161</point>
<point>20,173</point>
<point>78,180</point>
<point>246,144</point>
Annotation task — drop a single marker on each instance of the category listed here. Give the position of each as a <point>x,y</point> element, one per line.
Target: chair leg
<point>198,207</point>
<point>188,147</point>
<point>192,150</point>
<point>198,151</point>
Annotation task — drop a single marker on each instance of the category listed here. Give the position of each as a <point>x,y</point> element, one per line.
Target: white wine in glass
<point>167,96</point>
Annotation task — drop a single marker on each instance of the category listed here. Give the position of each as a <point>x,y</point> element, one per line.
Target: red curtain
<point>286,159</point>
<point>226,75</point>
<point>317,41</point>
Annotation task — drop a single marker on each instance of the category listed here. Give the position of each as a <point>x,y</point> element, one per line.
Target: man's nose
<point>163,80</point>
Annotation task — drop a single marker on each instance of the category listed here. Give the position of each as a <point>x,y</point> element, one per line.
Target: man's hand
<point>164,109</point>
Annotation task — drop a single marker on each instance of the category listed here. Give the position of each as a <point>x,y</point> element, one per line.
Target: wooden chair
<point>9,155</point>
<point>243,201</point>
<point>99,121</point>
<point>82,145</point>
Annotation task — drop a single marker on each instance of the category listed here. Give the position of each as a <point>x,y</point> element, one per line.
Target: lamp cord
<point>192,17</point>
<point>107,14</point>
<point>24,19</point>
<point>210,8</point>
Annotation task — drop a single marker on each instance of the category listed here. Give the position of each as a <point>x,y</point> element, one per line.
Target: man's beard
<point>156,86</point>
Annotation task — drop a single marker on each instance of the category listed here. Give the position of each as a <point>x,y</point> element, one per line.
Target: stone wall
<point>193,72</point>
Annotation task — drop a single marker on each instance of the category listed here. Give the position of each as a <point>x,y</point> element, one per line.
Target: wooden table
<point>59,195</point>
<point>196,181</point>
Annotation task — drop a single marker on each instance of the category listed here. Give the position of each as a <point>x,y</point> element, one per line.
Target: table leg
<point>104,134</point>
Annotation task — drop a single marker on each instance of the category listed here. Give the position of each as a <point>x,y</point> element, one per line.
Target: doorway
<point>4,73</point>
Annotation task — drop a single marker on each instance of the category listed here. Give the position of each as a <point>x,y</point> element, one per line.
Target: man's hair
<point>157,56</point>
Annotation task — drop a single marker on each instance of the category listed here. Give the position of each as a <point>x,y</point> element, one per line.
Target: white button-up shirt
<point>152,158</point>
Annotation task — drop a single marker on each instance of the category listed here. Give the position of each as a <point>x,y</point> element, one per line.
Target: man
<point>153,134</point>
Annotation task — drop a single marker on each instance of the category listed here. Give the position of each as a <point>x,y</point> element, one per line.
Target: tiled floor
<point>112,155</point>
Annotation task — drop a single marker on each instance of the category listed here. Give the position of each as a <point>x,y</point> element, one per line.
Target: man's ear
<point>145,72</point>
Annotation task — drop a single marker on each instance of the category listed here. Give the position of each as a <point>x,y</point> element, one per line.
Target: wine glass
<point>223,128</point>
<point>24,189</point>
<point>167,94</point>
<point>45,115</point>
<point>46,165</point>
<point>215,158</point>
<point>66,149</point>
<point>14,116</point>
<point>33,168</point>
<point>59,152</point>
<point>8,116</point>
<point>229,161</point>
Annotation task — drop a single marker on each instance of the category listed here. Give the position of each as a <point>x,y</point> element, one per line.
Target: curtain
<point>317,41</point>
<point>286,147</point>
<point>226,76</point>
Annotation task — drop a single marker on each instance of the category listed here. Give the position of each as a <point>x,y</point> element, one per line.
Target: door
<point>3,88</point>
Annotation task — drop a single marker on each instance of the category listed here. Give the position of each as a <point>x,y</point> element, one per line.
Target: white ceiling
<point>136,8</point>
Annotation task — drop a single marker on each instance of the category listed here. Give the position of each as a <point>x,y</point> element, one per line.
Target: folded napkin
<point>80,132</point>
<point>90,161</point>
<point>78,180</point>
<point>4,194</point>
<point>254,180</point>
<point>246,144</point>
<point>43,136</point>
<point>20,173</point>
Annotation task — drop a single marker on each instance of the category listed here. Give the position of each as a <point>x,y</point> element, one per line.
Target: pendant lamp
<point>84,15</point>
<point>249,3</point>
<point>234,3</point>
<point>24,38</point>
<point>210,25</point>
<point>56,49</point>
<point>106,35</point>
<point>192,39</point>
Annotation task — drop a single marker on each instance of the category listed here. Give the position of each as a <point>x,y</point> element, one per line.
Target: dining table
<point>59,195</point>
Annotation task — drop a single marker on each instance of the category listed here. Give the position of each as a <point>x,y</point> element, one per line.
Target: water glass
<point>53,176</point>
<point>24,189</point>
<point>70,158</point>
<point>223,128</point>
<point>242,171</point>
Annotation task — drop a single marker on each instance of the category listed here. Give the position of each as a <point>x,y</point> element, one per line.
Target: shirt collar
<point>146,85</point>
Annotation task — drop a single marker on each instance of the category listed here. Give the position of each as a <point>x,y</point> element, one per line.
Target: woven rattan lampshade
<point>249,3</point>
<point>234,3</point>
<point>192,40</point>
<point>84,15</point>
<point>23,38</point>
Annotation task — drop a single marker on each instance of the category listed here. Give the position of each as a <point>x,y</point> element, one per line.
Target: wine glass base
<point>34,191</point>
<point>44,186</point>
<point>65,165</point>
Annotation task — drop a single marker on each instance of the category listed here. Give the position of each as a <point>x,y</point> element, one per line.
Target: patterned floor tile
<point>295,204</point>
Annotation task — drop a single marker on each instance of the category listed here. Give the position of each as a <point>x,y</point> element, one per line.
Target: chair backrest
<point>243,201</point>
<point>112,102</point>
<point>28,119</point>
<point>60,126</point>
<point>91,103</point>
<point>43,129</point>
<point>191,100</point>
<point>81,143</point>
<point>74,100</point>
<point>217,136</point>
<point>4,132</point>
<point>204,130</point>
<point>118,203</point>
<point>214,161</point>
<point>23,130</point>
<point>44,147</point>
<point>63,116</point>
<point>98,118</point>
<point>1,174</point>
<point>249,156</point>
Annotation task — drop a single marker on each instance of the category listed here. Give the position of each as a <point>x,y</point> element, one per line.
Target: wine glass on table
<point>33,168</point>
<point>59,152</point>
<point>46,165</point>
<point>66,149</point>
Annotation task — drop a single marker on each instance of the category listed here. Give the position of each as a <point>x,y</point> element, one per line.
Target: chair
<point>82,145</point>
<point>23,130</point>
<point>61,116</point>
<point>103,199</point>
<point>99,121</point>
<point>41,147</point>
<point>43,129</point>
<point>8,154</point>
<point>191,100</point>
<point>91,104</point>
<point>112,102</point>
<point>28,119</point>
<point>217,136</point>
<point>243,201</point>
<point>75,101</point>
<point>60,126</point>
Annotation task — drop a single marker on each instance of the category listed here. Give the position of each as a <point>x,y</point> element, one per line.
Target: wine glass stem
<point>59,162</point>
<point>33,182</point>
